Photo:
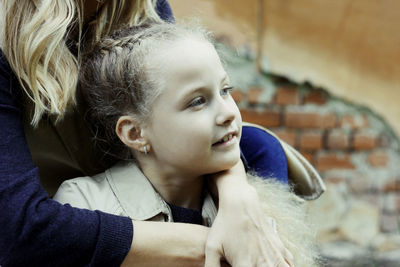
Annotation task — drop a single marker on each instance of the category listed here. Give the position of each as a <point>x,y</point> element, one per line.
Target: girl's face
<point>195,126</point>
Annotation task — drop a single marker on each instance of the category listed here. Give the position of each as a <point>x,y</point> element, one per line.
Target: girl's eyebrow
<point>225,78</point>
<point>191,91</point>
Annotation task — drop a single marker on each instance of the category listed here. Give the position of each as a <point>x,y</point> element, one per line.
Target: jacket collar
<point>138,198</point>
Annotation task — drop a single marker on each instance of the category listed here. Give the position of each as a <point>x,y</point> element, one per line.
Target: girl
<point>43,134</point>
<point>159,96</point>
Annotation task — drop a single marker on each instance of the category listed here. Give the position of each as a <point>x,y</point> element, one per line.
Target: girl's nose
<point>226,114</point>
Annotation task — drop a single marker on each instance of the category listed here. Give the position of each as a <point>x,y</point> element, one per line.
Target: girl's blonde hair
<point>36,40</point>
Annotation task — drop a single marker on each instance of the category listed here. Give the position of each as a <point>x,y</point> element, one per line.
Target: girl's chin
<point>226,165</point>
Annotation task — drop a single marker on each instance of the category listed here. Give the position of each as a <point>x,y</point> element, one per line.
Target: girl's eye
<point>226,90</point>
<point>198,101</point>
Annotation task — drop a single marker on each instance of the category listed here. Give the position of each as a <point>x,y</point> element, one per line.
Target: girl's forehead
<point>188,65</point>
<point>184,45</point>
<point>184,51</point>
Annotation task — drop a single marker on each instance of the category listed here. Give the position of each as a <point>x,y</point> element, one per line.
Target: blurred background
<point>325,76</point>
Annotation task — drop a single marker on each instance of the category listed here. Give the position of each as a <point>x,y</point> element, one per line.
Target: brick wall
<point>320,133</point>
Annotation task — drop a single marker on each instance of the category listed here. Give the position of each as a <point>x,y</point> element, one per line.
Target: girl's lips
<point>226,137</point>
<point>230,140</point>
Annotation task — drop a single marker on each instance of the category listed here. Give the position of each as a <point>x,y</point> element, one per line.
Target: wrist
<point>230,185</point>
<point>242,194</point>
<point>148,244</point>
<point>234,177</point>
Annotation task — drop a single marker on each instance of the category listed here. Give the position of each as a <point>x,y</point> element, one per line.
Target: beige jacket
<point>123,190</point>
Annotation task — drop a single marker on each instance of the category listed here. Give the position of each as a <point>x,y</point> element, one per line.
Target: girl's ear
<point>130,133</point>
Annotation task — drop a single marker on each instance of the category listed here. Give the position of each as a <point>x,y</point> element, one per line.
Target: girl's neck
<point>176,188</point>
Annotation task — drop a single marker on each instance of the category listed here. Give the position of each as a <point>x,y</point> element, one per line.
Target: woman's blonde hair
<point>37,37</point>
<point>292,222</point>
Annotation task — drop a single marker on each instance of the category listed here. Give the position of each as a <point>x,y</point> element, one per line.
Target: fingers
<point>283,264</point>
<point>213,258</point>
<point>288,257</point>
<point>225,264</point>
<point>276,253</point>
<point>285,253</point>
<point>276,262</point>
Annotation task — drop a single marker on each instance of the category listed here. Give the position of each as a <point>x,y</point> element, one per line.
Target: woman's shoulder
<point>3,60</point>
<point>164,10</point>
<point>5,67</point>
<point>9,84</point>
<point>264,153</point>
<point>259,136</point>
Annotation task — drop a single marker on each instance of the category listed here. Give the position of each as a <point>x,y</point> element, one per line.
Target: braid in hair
<point>115,82</point>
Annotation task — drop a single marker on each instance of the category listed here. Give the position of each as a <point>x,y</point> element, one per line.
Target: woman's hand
<point>241,233</point>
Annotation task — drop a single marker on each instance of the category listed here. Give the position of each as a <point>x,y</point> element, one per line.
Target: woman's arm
<point>241,232</point>
<point>35,230</point>
<point>165,244</point>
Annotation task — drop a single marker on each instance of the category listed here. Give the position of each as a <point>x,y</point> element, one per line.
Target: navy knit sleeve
<point>164,10</point>
<point>34,229</point>
<point>263,154</point>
